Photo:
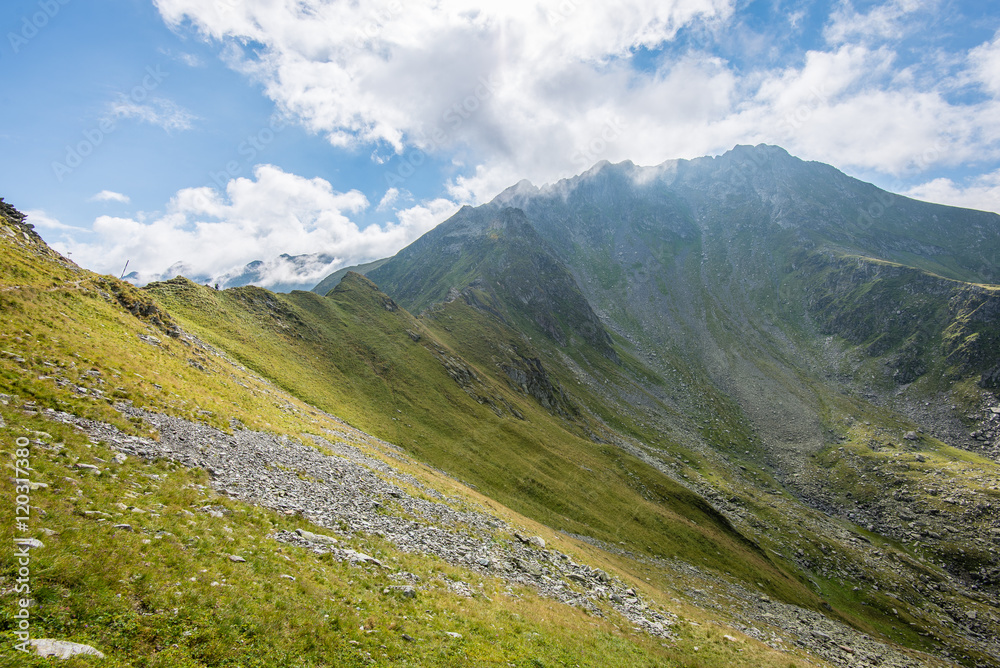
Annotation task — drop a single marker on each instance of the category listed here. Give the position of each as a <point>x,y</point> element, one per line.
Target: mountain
<point>284,273</point>
<point>729,411</point>
<point>331,281</point>
<point>776,312</point>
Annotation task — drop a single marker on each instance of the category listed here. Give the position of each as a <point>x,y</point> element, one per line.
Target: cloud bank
<point>208,234</point>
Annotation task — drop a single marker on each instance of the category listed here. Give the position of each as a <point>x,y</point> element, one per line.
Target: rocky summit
<point>731,411</point>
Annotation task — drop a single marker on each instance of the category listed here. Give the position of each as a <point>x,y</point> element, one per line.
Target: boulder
<point>63,649</point>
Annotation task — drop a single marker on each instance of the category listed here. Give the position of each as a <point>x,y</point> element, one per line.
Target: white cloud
<point>157,111</point>
<point>883,22</point>
<point>39,218</point>
<point>110,196</point>
<point>982,192</point>
<point>393,71</point>
<point>190,59</point>
<point>206,233</point>
<point>390,197</point>
<point>985,65</point>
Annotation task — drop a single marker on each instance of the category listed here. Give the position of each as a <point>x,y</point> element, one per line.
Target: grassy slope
<point>352,356</point>
<point>132,594</point>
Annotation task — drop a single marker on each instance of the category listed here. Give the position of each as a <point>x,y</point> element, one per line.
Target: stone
<point>237,559</point>
<point>453,634</point>
<point>316,537</point>
<point>910,436</point>
<point>361,557</point>
<point>63,649</point>
<point>29,542</point>
<point>124,527</point>
<point>528,567</point>
<point>537,541</point>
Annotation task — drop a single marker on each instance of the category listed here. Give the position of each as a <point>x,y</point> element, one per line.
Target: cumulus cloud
<point>542,89</point>
<point>390,197</point>
<point>981,192</point>
<point>211,233</point>
<point>110,196</point>
<point>985,65</point>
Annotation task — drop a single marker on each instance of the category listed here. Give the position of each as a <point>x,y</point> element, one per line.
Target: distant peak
<point>521,189</point>
<point>768,150</point>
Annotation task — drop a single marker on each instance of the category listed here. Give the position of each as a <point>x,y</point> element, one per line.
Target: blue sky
<point>193,137</point>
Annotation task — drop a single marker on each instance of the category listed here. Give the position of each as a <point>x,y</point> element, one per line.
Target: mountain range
<point>734,410</point>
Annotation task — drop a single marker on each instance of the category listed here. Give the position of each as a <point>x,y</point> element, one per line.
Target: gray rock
<point>406,591</point>
<point>360,557</point>
<point>31,543</point>
<point>316,537</point>
<point>63,649</point>
<point>237,559</point>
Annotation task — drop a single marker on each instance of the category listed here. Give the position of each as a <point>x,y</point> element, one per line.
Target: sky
<point>195,136</point>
